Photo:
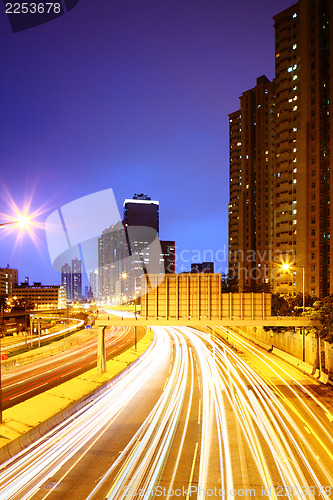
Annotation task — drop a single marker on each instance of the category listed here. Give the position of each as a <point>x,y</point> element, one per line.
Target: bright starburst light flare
<point>21,222</point>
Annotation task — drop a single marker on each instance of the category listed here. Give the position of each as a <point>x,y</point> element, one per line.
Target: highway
<point>38,376</point>
<point>192,418</point>
<point>9,344</point>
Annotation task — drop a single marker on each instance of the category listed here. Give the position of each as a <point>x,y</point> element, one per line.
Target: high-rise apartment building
<point>66,280</point>
<point>251,133</point>
<point>76,279</point>
<point>298,161</point>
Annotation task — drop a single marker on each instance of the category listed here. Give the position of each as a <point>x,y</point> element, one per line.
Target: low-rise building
<point>39,296</point>
<point>8,280</point>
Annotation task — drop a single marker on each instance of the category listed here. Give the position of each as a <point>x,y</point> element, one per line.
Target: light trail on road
<point>46,336</point>
<point>50,371</point>
<point>220,424</point>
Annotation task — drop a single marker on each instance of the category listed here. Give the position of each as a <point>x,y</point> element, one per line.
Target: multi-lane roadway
<point>191,418</point>
<point>36,377</point>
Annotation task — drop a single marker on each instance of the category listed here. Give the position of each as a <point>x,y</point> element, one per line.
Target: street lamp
<point>289,267</point>
<point>23,221</point>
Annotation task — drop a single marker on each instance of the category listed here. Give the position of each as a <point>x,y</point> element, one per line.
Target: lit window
<point>294,181</point>
<point>290,69</point>
<point>294,15</point>
<point>294,108</point>
<point>294,46</point>
<point>295,77</point>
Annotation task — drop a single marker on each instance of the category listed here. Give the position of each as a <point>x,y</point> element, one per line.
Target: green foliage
<point>283,305</point>
<point>21,304</point>
<point>322,310</point>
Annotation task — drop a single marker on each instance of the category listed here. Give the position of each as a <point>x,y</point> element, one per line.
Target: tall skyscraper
<point>141,223</point>
<point>141,211</point>
<point>76,279</point>
<point>93,284</point>
<point>294,224</point>
<point>112,252</point>
<point>168,257</point>
<point>131,248</point>
<point>66,280</point>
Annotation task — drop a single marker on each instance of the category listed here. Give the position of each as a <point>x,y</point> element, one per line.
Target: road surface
<point>33,378</point>
<point>191,418</point>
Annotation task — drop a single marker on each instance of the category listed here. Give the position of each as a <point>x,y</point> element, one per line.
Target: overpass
<point>272,321</point>
<point>197,300</point>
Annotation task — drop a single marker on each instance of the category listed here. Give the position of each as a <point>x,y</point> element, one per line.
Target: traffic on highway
<point>191,418</point>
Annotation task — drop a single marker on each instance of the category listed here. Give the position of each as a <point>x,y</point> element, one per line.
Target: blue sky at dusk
<point>131,95</point>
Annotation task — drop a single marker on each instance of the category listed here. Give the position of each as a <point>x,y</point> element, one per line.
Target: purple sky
<point>131,95</point>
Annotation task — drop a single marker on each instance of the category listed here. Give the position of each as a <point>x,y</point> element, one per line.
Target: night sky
<point>131,95</point>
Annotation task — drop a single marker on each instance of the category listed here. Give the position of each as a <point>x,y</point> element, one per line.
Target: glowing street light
<point>23,222</point>
<point>289,267</point>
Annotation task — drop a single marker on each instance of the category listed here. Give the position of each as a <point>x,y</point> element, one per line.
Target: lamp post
<point>288,267</point>
<point>2,304</point>
<point>124,276</point>
<point>23,221</point>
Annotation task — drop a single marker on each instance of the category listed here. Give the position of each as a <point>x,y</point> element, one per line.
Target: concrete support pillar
<point>101,351</point>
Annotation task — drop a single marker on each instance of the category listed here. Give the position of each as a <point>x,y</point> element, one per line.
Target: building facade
<point>141,223</point>
<point>168,258</point>
<point>39,296</point>
<point>252,141</point>
<point>112,252</point>
<point>132,248</point>
<point>76,279</point>
<point>8,280</point>
<point>66,280</point>
<point>295,227</point>
<point>202,267</point>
